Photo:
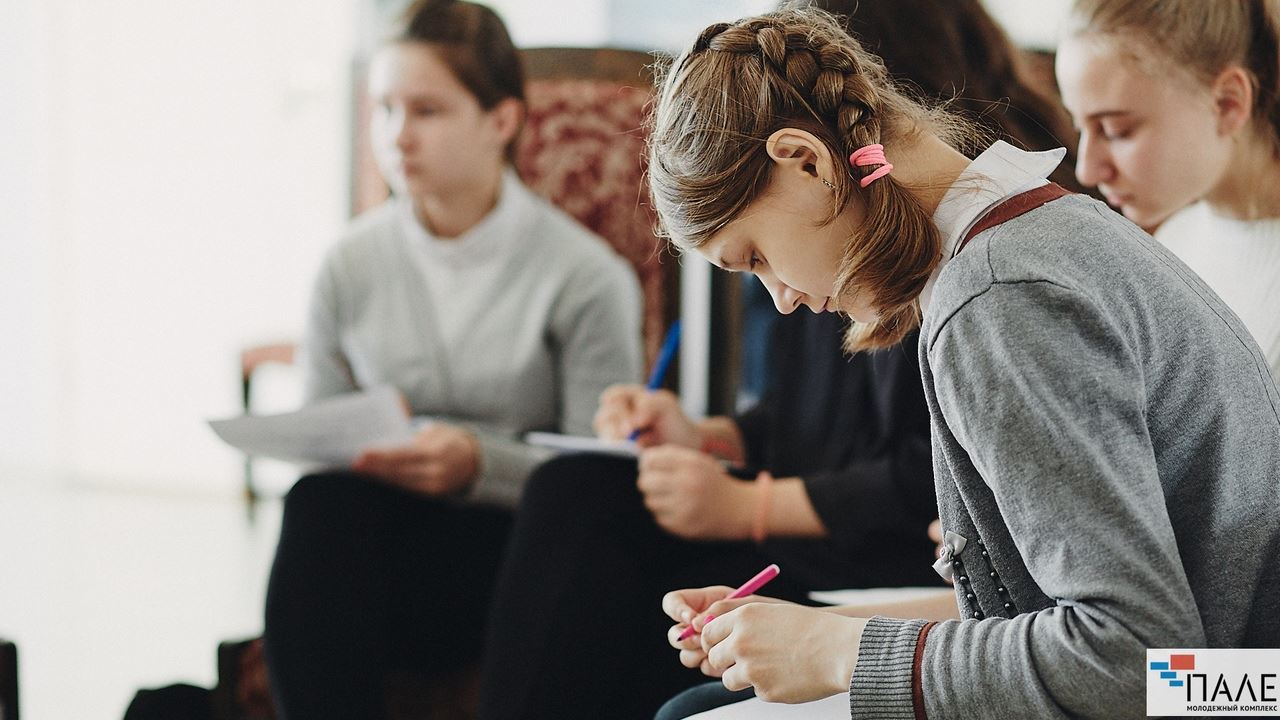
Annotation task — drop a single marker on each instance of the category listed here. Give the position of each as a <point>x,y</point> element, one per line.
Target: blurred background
<point>171,173</point>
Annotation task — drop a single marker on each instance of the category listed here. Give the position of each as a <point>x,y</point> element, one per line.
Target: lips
<point>1117,200</point>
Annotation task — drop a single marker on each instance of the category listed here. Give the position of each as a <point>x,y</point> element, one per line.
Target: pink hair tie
<point>870,155</point>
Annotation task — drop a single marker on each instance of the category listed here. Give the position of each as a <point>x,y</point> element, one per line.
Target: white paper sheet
<point>835,707</point>
<point>574,443</point>
<point>874,596</point>
<point>332,431</point>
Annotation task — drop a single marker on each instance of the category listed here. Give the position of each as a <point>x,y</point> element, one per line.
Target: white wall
<point>547,23</point>
<point>1033,25</point>
<point>30,401</point>
<point>639,24</point>
<point>670,25</point>
<point>183,167</point>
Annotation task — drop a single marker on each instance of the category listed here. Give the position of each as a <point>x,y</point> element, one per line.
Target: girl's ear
<point>1233,98</point>
<point>799,151</point>
<point>507,116</point>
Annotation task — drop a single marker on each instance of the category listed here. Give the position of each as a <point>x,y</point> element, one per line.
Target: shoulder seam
<point>1261,361</point>
<point>942,324</point>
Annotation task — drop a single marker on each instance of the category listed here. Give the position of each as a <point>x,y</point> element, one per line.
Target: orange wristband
<point>718,447</point>
<point>760,523</point>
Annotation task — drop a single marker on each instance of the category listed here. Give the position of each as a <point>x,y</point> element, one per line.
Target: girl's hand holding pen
<point>655,414</point>
<point>695,607</point>
<point>788,653</point>
<point>744,590</point>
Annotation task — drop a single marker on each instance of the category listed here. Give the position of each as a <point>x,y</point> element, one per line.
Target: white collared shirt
<point>999,173</point>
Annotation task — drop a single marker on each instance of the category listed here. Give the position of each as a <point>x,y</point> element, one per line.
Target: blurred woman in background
<point>493,314</point>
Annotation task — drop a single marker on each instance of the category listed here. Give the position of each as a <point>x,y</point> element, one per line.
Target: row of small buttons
<point>968,590</point>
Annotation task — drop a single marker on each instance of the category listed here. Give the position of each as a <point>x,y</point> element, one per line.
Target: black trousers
<point>577,629</point>
<point>370,580</point>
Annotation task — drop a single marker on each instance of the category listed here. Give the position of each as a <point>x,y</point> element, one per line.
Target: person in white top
<point>493,314</point>
<point>1178,107</point>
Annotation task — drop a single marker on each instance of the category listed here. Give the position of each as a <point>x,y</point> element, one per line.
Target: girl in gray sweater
<point>493,314</point>
<point>1106,432</point>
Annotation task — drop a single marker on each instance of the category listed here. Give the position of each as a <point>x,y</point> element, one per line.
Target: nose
<point>403,132</point>
<point>1093,161</point>
<point>389,127</point>
<point>785,297</point>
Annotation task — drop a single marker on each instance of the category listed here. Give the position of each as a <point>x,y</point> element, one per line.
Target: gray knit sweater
<point>1107,440</point>
<point>530,318</point>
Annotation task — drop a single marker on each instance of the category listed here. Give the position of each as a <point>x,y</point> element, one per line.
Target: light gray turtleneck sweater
<point>517,325</point>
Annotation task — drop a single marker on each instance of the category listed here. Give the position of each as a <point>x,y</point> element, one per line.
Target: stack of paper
<point>332,431</point>
<point>876,596</point>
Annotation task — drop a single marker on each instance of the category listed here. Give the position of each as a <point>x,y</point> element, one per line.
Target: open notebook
<point>575,443</point>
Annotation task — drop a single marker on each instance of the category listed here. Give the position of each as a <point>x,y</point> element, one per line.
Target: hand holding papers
<point>331,432</point>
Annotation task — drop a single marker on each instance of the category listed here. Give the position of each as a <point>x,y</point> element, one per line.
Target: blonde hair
<point>721,99</point>
<point>1202,36</point>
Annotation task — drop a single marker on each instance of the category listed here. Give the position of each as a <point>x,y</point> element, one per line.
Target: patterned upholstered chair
<point>582,148</point>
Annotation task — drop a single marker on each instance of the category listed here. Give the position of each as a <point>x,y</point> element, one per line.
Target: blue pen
<point>665,356</point>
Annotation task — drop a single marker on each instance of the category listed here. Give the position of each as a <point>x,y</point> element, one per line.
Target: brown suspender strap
<point>1019,204</point>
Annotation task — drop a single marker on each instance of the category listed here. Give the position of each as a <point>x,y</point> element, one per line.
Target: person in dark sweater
<point>597,540</point>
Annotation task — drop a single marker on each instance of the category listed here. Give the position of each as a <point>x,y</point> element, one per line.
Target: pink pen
<point>747,588</point>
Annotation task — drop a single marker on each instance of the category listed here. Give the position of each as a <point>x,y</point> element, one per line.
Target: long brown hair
<point>954,51</point>
<point>722,98</point>
<point>473,42</point>
<point>1201,37</point>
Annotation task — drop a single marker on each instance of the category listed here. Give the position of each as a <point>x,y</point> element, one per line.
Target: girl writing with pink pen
<point>1106,434</point>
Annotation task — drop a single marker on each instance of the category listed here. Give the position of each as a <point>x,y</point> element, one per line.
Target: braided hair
<point>739,83</point>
